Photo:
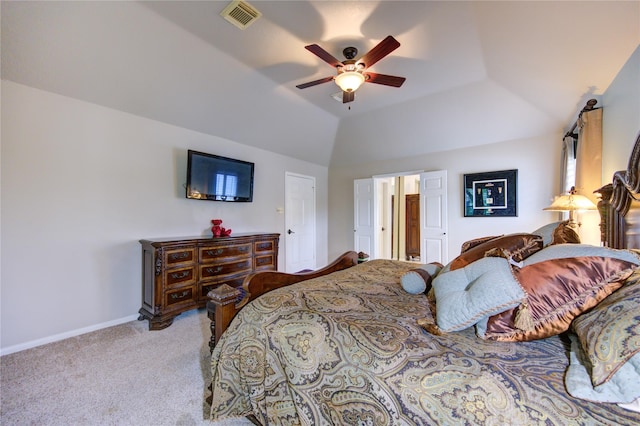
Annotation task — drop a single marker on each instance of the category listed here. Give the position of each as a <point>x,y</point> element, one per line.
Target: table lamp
<point>571,203</point>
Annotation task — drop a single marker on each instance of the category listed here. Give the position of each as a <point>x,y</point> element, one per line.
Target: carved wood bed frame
<point>619,209</point>
<point>619,206</point>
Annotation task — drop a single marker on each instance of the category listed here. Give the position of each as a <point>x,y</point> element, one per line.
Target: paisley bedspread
<point>345,349</point>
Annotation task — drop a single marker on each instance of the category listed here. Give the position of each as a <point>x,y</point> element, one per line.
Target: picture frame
<point>491,194</point>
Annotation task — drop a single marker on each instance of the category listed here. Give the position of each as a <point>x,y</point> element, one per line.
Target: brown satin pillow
<point>468,245</point>
<point>557,291</point>
<point>516,246</point>
<point>563,234</point>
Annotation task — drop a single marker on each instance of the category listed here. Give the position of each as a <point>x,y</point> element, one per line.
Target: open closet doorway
<point>398,206</point>
<point>413,229</point>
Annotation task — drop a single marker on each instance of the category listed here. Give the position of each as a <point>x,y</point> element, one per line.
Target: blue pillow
<point>546,232</point>
<point>563,251</point>
<point>468,295</point>
<point>623,387</point>
<point>605,350</point>
<point>418,280</point>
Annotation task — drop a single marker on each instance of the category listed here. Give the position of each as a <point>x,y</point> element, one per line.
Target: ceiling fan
<point>352,73</point>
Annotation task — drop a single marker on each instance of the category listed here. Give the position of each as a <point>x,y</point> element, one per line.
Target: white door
<point>300,222</point>
<point>364,216</point>
<point>433,217</point>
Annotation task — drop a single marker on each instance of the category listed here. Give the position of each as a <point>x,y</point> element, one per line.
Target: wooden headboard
<point>620,206</point>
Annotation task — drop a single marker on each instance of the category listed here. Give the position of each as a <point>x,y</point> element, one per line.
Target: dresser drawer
<point>174,257</point>
<point>263,246</point>
<point>180,276</point>
<point>179,296</point>
<point>227,268</point>
<point>212,254</point>
<point>265,261</point>
<point>233,282</point>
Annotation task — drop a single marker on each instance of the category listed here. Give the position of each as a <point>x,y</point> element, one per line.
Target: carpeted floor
<point>122,375</point>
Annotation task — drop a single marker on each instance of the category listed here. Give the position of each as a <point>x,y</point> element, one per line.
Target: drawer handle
<point>178,256</point>
<point>218,252</point>
<point>182,295</point>
<point>265,246</point>
<point>182,274</point>
<point>214,270</point>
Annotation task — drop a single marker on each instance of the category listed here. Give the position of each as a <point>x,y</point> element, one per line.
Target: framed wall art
<point>491,194</point>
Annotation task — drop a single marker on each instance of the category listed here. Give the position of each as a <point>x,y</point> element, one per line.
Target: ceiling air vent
<point>240,13</point>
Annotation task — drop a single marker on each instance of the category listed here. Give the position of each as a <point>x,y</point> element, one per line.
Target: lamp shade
<point>571,202</point>
<point>349,81</point>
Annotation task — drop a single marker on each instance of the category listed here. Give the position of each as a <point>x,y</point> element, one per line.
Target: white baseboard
<point>66,335</point>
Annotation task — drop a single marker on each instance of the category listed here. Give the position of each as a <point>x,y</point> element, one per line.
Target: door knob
<point>290,232</point>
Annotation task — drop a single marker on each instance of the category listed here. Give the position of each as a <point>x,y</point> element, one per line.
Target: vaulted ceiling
<point>477,72</point>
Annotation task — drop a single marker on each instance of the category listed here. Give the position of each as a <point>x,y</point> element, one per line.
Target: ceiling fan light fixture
<point>349,81</point>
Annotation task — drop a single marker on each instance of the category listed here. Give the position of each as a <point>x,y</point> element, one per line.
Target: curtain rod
<point>591,103</point>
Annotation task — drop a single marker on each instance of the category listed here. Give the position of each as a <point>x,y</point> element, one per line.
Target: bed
<point>478,341</point>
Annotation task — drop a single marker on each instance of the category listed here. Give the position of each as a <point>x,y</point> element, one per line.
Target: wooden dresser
<point>177,273</point>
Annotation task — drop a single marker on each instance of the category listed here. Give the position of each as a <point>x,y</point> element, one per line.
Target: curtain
<point>568,172</point>
<point>589,171</point>
<point>589,153</point>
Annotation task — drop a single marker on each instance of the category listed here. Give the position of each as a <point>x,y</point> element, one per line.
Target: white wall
<point>537,161</point>
<point>81,184</point>
<point>621,117</point>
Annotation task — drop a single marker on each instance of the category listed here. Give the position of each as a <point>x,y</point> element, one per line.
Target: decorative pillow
<point>559,251</point>
<point>467,245</point>
<point>557,291</point>
<point>418,280</point>
<point>479,290</point>
<point>546,232</point>
<point>515,246</point>
<point>563,234</point>
<point>610,333</point>
<point>622,388</point>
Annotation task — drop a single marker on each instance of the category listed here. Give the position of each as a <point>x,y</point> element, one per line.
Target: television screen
<point>215,178</point>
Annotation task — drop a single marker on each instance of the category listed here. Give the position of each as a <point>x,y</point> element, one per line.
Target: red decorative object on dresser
<point>177,273</point>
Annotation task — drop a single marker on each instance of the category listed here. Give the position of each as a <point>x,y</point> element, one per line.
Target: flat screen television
<point>215,178</point>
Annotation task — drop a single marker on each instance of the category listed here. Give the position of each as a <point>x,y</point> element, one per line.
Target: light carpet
<point>122,375</point>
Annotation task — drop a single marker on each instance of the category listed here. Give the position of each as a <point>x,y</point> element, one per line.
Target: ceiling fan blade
<point>324,55</point>
<point>348,97</point>
<point>387,80</point>
<point>383,48</point>
<point>315,82</point>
